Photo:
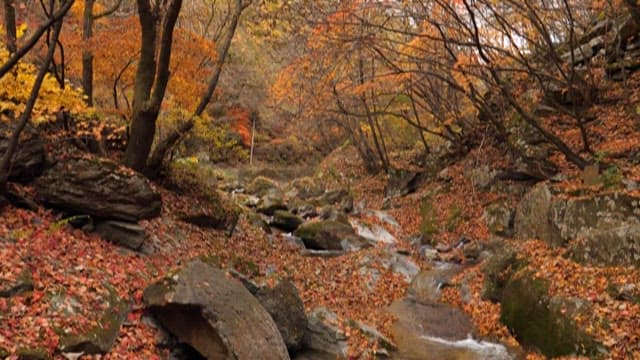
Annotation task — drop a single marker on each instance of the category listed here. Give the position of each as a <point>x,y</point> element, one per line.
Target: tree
<point>10,24</point>
<point>7,157</point>
<point>152,77</point>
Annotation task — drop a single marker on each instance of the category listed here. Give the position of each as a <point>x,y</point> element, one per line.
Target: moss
<point>4,353</point>
<point>498,271</point>
<point>538,321</point>
<point>454,218</point>
<point>428,223</point>
<point>33,354</point>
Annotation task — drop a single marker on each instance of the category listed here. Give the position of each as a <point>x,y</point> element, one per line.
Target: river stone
<point>215,315</point>
<point>100,188</point>
<point>284,305</point>
<point>330,235</point>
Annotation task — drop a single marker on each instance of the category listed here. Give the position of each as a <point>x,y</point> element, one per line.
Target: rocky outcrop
<point>29,158</point>
<point>330,235</point>
<point>536,319</point>
<point>99,188</point>
<point>602,228</point>
<point>215,315</point>
<point>284,305</point>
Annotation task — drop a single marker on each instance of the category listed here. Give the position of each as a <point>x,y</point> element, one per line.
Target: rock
<point>324,335</point>
<point>245,200</point>
<point>499,219</point>
<point>426,287</point>
<point>286,221</point>
<point>329,235</point>
<point>374,233</point>
<point>121,233</point>
<point>342,199</point>
<point>304,188</point>
<point>261,186</point>
<point>330,213</point>
<point>33,354</point>
<point>29,159</point>
<point>23,284</point>
<point>606,226</point>
<point>303,209</point>
<point>101,338</point>
<point>270,203</point>
<point>216,316</point>
<point>99,188</point>
<point>402,182</point>
<point>482,177</point>
<point>284,305</point>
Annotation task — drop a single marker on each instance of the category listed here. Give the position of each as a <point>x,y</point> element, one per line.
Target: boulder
<point>261,186</point>
<point>29,159</point>
<point>129,235</point>
<point>270,203</point>
<point>499,219</point>
<point>341,199</point>
<point>402,182</point>
<point>215,315</point>
<point>213,213</point>
<point>284,305</point>
<point>285,220</point>
<point>534,317</point>
<point>323,334</point>
<point>606,226</point>
<point>100,188</point>
<point>304,188</point>
<point>101,338</point>
<point>330,235</point>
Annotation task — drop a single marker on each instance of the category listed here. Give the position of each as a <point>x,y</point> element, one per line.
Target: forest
<point>318,180</point>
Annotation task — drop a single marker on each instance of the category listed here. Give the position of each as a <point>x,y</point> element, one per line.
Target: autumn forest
<point>319,180</point>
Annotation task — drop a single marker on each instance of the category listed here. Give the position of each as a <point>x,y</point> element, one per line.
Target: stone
<point>286,221</point>
<point>286,308</point>
<point>99,188</point>
<point>29,158</point>
<point>342,200</point>
<point>330,235</point>
<point>427,286</point>
<point>402,182</point>
<point>324,335</point>
<point>499,219</point>
<point>304,188</point>
<point>261,186</point>
<point>122,233</point>
<point>532,215</point>
<point>101,338</point>
<point>216,316</point>
<point>270,203</point>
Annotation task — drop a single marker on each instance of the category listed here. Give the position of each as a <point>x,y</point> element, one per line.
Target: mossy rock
<point>261,186</point>
<point>33,354</point>
<point>498,271</point>
<point>100,339</point>
<point>329,235</point>
<point>542,322</point>
<point>286,221</point>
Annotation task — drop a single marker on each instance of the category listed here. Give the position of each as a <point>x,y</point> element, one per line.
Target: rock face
<point>29,158</point>
<point>606,226</point>
<point>125,234</point>
<point>284,305</point>
<point>216,316</point>
<point>534,317</point>
<point>99,188</point>
<point>329,235</point>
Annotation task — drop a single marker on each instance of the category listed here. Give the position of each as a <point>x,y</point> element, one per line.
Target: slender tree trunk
<point>7,158</point>
<point>87,54</point>
<point>165,145</point>
<point>152,78</point>
<point>10,25</point>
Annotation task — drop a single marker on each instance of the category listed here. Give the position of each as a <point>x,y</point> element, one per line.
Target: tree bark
<point>152,77</point>
<point>10,25</point>
<point>87,54</point>
<point>7,158</point>
<point>165,145</point>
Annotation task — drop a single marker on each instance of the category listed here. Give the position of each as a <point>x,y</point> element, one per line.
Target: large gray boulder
<point>215,315</point>
<point>285,306</point>
<point>100,188</point>
<point>606,226</point>
<point>330,235</point>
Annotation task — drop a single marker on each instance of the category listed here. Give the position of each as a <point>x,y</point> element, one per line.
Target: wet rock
<point>100,188</point>
<point>330,235</point>
<point>216,316</point>
<point>122,233</point>
<point>323,334</point>
<point>284,305</point>
<point>286,221</point>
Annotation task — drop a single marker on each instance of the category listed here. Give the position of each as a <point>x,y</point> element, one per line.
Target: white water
<point>486,349</point>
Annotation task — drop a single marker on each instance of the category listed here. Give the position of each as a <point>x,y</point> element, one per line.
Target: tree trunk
<point>87,54</point>
<point>152,78</point>
<point>7,158</point>
<point>165,145</point>
<point>10,25</point>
